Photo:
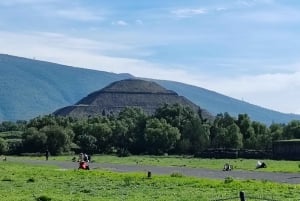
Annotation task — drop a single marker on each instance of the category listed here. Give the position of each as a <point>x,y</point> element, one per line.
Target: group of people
<point>83,161</point>
<point>228,167</point>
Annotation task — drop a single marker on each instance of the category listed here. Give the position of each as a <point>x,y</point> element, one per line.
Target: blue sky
<point>246,49</point>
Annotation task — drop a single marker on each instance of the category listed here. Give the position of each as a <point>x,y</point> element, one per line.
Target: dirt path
<point>292,178</point>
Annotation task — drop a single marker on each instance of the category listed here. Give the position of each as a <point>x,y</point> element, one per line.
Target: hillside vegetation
<point>173,129</point>
<point>29,88</point>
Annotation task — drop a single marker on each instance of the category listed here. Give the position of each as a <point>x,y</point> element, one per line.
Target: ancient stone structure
<point>128,93</point>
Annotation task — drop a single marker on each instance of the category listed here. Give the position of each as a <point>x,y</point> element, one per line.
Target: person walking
<point>47,154</point>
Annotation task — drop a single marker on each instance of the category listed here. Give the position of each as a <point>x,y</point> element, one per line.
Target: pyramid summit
<point>118,95</point>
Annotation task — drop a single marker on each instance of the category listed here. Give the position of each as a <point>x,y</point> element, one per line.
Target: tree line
<point>173,129</point>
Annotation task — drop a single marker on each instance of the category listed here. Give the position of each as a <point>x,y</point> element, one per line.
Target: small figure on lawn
<point>83,161</point>
<point>47,154</point>
<point>74,159</point>
<point>227,167</point>
<point>261,165</point>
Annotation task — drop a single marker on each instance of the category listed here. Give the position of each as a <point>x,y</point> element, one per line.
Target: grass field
<point>181,161</point>
<point>28,183</point>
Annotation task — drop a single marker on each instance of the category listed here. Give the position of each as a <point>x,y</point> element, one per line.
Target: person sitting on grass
<point>260,165</point>
<point>227,167</point>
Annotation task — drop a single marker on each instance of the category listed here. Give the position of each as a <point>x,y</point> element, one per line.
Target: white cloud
<point>221,9</point>
<point>273,16</point>
<point>188,12</point>
<point>120,23</point>
<point>78,14</point>
<point>275,91</point>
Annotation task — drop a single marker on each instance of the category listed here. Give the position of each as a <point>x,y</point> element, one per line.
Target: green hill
<point>29,88</point>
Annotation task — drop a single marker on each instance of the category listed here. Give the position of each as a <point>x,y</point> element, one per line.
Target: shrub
<point>228,180</point>
<point>30,180</point>
<point>43,198</point>
<point>176,174</point>
<point>127,181</point>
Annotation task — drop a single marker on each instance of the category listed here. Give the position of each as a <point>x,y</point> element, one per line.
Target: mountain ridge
<point>29,88</point>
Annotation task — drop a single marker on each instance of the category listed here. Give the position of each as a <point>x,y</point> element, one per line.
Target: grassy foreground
<point>28,183</point>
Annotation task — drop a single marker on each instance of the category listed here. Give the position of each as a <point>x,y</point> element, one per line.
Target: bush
<point>176,174</point>
<point>228,180</point>
<point>127,181</point>
<point>30,180</point>
<point>43,198</point>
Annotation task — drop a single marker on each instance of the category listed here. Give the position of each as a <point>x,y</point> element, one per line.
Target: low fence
<point>234,153</point>
<point>243,197</point>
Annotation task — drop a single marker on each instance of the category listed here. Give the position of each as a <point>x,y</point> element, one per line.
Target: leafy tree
<point>219,137</point>
<point>195,136</point>
<point>223,120</point>
<point>244,123</point>
<point>263,137</point>
<point>292,130</point>
<point>3,146</point>
<point>135,119</point>
<point>225,133</point>
<point>234,138</point>
<point>103,134</point>
<point>8,126</point>
<point>276,131</point>
<point>87,143</point>
<point>160,136</point>
<point>80,127</point>
<point>121,140</point>
<point>42,121</point>
<point>250,138</point>
<point>176,115</point>
<point>33,140</point>
<point>58,139</point>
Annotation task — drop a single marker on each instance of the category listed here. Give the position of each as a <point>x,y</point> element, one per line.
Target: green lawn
<point>28,183</point>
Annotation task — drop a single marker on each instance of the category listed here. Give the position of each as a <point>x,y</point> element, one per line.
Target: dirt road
<point>292,178</point>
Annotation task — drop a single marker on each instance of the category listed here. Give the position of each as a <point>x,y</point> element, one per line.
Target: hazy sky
<point>246,49</point>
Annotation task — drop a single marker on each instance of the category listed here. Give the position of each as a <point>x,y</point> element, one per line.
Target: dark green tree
<point>103,134</point>
<point>120,137</point>
<point>276,131</point>
<point>292,130</point>
<point>135,119</point>
<point>58,139</point>
<point>33,140</point>
<point>195,137</point>
<point>225,133</point>
<point>87,143</point>
<point>234,138</point>
<point>176,115</point>
<point>3,146</point>
<point>42,121</point>
<point>263,136</point>
<point>160,137</point>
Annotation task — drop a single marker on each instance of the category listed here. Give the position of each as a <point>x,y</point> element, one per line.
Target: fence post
<point>149,174</point>
<point>242,196</point>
